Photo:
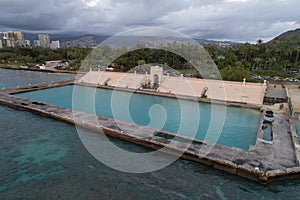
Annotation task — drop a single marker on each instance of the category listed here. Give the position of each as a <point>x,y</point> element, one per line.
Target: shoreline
<point>254,164</point>
<point>42,70</point>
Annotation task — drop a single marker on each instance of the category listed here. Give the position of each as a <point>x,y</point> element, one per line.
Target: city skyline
<point>16,38</point>
<point>234,20</point>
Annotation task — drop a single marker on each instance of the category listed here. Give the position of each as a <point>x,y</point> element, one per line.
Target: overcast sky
<point>236,20</point>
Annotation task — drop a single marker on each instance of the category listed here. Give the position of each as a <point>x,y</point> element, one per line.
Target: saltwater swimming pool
<point>297,124</point>
<point>44,158</point>
<point>13,78</point>
<point>239,130</point>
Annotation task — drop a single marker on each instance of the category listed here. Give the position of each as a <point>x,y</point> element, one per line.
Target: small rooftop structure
<point>156,76</point>
<point>275,94</point>
<point>56,64</point>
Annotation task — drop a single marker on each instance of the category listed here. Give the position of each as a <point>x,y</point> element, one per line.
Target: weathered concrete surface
<point>295,141</point>
<point>40,86</point>
<point>251,93</point>
<point>276,92</point>
<point>114,79</point>
<point>262,162</point>
<point>177,96</point>
<point>280,154</point>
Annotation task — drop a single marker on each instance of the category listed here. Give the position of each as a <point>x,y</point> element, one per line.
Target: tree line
<point>279,57</point>
<point>38,55</point>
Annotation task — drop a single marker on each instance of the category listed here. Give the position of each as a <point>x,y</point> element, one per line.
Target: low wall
<point>184,97</point>
<point>34,87</point>
<point>295,141</point>
<point>296,116</point>
<point>43,70</point>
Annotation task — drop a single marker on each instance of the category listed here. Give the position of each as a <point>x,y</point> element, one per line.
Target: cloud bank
<point>236,20</point>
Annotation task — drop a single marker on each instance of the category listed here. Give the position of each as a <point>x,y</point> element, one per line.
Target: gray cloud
<point>238,20</point>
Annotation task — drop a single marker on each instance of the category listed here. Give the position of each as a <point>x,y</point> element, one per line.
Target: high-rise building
<point>18,35</point>
<point>44,40</point>
<point>10,43</point>
<point>15,35</point>
<point>36,43</point>
<point>55,45</point>
<point>11,38</point>
<point>27,43</point>
<point>5,35</point>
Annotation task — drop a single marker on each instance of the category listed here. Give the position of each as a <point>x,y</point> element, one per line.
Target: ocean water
<point>193,119</point>
<point>13,78</point>
<point>42,158</point>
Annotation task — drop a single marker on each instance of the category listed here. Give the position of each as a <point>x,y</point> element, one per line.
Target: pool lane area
<point>173,115</point>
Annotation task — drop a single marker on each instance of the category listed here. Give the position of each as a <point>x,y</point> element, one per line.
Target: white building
<point>58,64</point>
<point>55,45</point>
<point>44,40</point>
<point>11,39</point>
<point>36,43</point>
<point>27,43</point>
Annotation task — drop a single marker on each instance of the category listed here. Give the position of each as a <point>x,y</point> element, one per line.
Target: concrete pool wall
<point>177,96</point>
<point>170,114</point>
<point>227,91</point>
<point>262,163</point>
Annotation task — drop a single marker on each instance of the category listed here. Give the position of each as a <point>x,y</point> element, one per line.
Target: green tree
<point>235,73</point>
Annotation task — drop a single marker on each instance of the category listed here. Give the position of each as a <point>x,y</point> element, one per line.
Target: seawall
<point>263,163</point>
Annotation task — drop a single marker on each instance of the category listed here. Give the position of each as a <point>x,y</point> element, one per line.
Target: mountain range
<point>70,40</point>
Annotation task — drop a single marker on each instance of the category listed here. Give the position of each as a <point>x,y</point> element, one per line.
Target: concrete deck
<point>263,163</point>
<point>251,93</point>
<point>275,91</point>
<point>114,79</point>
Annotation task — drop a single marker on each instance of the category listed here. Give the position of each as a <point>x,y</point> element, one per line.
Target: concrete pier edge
<point>259,176</point>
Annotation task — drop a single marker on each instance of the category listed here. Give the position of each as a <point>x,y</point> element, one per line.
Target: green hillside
<point>292,36</point>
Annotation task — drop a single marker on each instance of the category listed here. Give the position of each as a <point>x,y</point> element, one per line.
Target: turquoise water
<point>42,158</point>
<point>12,78</point>
<point>239,130</point>
<point>297,124</point>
